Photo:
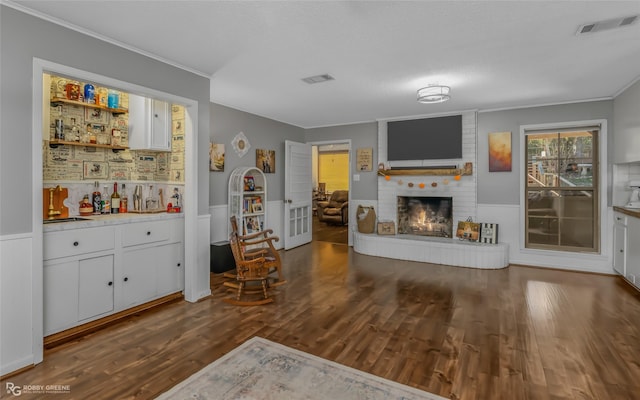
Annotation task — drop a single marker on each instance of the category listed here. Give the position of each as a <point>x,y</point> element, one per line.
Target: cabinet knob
<point>178,265</point>
<point>621,250</point>
<point>148,233</point>
<point>126,278</point>
<point>618,218</point>
<point>110,283</point>
<point>76,244</point>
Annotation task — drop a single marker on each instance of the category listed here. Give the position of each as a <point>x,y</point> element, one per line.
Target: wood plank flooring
<point>515,333</point>
<point>333,233</point>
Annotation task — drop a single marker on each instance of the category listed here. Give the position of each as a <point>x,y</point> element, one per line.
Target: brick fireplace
<point>414,244</point>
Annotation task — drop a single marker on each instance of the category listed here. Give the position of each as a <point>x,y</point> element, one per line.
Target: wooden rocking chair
<point>252,270</point>
<point>259,245</point>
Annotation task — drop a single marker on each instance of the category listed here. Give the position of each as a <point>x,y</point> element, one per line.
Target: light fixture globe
<point>433,94</point>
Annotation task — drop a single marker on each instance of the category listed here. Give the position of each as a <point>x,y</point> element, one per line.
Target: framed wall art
<point>468,230</point>
<point>364,159</point>
<point>488,233</point>
<point>266,160</point>
<point>216,157</point>
<point>500,152</point>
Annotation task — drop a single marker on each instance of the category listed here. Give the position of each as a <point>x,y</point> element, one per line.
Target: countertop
<point>111,219</point>
<point>634,212</point>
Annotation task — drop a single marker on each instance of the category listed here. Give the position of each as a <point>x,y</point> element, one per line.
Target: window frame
<point>599,188</point>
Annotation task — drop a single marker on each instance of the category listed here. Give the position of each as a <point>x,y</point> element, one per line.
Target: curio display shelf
<point>56,100</point>
<point>55,143</point>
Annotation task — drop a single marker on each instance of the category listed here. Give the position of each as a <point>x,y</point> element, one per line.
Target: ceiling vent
<point>318,79</point>
<point>606,25</point>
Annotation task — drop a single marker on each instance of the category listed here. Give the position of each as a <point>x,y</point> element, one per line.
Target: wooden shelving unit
<point>55,100</point>
<point>466,170</point>
<point>56,143</point>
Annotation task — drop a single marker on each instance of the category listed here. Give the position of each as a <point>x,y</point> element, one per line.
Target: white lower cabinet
<point>95,287</point>
<point>620,243</point>
<point>171,269</point>
<point>633,251</point>
<point>146,264</point>
<point>76,290</point>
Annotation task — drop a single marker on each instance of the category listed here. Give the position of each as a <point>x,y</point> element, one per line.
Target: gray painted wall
<point>504,187</point>
<point>362,136</point>
<point>23,37</point>
<point>262,133</point>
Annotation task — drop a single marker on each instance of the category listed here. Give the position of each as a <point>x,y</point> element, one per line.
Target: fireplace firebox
<point>425,215</point>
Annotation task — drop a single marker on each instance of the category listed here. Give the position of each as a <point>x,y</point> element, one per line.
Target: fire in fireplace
<point>427,216</point>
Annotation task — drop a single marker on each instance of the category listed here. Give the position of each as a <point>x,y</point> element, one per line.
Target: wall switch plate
<point>356,177</point>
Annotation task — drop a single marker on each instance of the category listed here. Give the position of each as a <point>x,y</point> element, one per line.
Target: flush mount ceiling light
<point>433,94</point>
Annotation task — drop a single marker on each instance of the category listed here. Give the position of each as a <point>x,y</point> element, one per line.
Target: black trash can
<point>221,257</point>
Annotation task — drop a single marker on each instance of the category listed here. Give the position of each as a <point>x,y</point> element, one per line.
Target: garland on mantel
<point>457,174</point>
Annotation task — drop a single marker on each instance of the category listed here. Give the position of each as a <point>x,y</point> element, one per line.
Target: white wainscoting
<point>509,231</point>
<point>202,286</point>
<point>220,222</point>
<point>16,339</point>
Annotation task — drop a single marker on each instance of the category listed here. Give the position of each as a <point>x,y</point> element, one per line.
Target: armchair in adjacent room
<point>335,210</point>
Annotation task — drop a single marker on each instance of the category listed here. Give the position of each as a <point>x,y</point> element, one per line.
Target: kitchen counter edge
<point>634,212</point>
<point>105,220</point>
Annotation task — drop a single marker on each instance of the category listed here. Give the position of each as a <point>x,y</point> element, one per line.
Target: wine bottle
<point>96,199</point>
<point>106,201</point>
<point>124,201</point>
<point>115,199</point>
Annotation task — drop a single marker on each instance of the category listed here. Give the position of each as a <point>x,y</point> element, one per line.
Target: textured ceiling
<point>492,54</point>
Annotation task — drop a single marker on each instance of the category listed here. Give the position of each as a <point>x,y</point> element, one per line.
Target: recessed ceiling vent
<point>606,25</point>
<point>318,79</point>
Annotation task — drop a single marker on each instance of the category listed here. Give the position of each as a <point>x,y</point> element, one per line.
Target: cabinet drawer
<point>78,241</point>
<point>145,232</point>
<point>620,218</point>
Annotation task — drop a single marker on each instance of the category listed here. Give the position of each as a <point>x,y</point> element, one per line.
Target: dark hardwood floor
<point>333,233</point>
<point>515,333</point>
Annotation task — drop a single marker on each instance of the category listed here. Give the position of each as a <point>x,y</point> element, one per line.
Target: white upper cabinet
<point>149,124</point>
<point>626,125</point>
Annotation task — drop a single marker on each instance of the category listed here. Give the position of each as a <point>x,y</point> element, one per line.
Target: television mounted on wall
<point>437,138</point>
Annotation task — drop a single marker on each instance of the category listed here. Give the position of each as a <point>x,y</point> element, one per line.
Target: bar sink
<point>71,219</point>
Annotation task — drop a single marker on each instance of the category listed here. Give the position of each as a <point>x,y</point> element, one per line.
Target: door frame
<point>349,150</point>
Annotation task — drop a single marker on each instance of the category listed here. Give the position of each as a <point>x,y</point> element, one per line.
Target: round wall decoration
<point>240,144</point>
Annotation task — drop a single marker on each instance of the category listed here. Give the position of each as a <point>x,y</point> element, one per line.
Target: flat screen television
<point>436,138</point>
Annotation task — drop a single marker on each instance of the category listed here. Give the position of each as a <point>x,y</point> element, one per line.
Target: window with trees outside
<point>561,190</point>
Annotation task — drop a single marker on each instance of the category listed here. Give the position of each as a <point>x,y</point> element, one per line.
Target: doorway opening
<point>331,184</point>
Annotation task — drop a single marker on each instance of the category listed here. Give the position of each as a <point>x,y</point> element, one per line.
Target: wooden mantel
<point>466,170</point>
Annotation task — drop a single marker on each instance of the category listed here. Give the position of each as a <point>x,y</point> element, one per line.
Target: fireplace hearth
<point>425,216</point>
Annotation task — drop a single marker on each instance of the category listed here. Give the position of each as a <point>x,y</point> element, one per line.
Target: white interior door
<point>297,194</point>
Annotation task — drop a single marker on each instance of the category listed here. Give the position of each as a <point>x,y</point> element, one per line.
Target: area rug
<point>261,369</point>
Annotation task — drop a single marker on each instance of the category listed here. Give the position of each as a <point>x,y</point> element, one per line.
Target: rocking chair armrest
<point>269,239</point>
<point>265,233</point>
<point>251,263</point>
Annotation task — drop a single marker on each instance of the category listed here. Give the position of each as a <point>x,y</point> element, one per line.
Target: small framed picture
<point>257,208</point>
<point>488,233</point>
<point>468,230</point>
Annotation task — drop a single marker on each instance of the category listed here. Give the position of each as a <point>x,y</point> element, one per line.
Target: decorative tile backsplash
<point>77,167</point>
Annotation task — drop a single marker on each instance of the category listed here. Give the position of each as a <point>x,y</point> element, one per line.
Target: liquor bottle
<point>115,199</point>
<point>106,201</point>
<point>85,206</point>
<point>96,199</point>
<point>124,201</point>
